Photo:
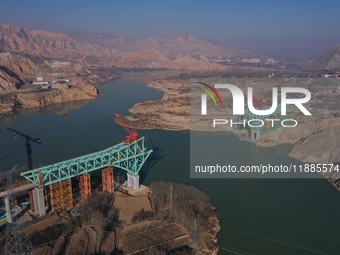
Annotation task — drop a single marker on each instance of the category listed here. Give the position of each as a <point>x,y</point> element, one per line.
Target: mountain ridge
<point>329,60</point>
<point>172,46</point>
<point>42,43</point>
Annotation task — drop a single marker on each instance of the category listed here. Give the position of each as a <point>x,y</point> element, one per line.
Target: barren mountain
<point>34,42</point>
<point>186,51</point>
<point>329,60</point>
<point>170,46</point>
<point>153,59</point>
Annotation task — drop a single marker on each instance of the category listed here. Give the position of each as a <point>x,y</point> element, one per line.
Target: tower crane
<point>133,135</point>
<point>28,145</point>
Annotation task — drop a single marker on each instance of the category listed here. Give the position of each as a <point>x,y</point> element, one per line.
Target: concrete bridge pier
<point>255,135</point>
<point>133,181</point>
<point>39,201</point>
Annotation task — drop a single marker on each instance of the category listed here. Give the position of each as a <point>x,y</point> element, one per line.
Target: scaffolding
<point>61,195</point>
<point>85,186</point>
<point>107,179</point>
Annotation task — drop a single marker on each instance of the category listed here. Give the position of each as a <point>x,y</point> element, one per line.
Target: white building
<point>57,80</point>
<point>40,81</point>
<point>251,60</point>
<point>270,61</point>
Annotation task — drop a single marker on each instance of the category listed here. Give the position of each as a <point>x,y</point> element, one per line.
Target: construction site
<point>57,208</point>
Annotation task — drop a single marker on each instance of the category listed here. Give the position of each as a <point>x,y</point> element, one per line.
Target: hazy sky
<point>280,28</point>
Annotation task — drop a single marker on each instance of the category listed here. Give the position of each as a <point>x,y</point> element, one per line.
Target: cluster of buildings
<point>268,61</point>
<point>252,61</point>
<point>46,84</point>
<point>42,81</point>
<point>332,75</point>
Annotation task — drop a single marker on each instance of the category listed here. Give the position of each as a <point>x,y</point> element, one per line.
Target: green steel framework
<point>250,116</point>
<point>126,156</point>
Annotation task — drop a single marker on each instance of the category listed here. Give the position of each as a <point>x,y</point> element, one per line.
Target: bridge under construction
<point>56,178</point>
<point>258,120</point>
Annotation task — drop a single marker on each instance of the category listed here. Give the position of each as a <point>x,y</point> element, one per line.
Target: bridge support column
<point>85,186</point>
<point>108,180</point>
<point>39,201</point>
<point>130,180</point>
<point>8,210</point>
<point>255,135</point>
<point>133,181</point>
<point>61,195</point>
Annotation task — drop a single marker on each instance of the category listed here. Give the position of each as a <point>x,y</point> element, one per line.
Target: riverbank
<point>33,96</point>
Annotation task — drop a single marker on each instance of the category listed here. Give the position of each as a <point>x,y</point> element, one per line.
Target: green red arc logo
<point>209,92</point>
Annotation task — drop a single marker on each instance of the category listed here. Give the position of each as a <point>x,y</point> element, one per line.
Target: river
<point>258,216</point>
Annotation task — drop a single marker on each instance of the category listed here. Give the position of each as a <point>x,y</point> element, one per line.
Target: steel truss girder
<point>127,156</point>
<point>250,116</point>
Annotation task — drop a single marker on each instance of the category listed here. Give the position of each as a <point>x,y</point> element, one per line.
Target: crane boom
<point>16,132</point>
<point>133,135</point>
<point>122,123</point>
<point>28,145</point>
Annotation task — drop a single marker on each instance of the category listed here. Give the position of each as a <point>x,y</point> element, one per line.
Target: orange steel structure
<point>85,186</point>
<point>107,179</point>
<point>61,195</point>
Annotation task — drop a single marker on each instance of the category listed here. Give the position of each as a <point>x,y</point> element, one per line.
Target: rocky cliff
<point>9,82</point>
<point>17,63</point>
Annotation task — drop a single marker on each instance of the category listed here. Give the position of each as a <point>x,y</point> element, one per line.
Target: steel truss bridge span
<point>127,156</point>
<point>257,123</point>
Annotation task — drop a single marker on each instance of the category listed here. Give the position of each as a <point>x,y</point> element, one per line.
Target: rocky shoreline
<point>33,96</point>
<point>27,100</point>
